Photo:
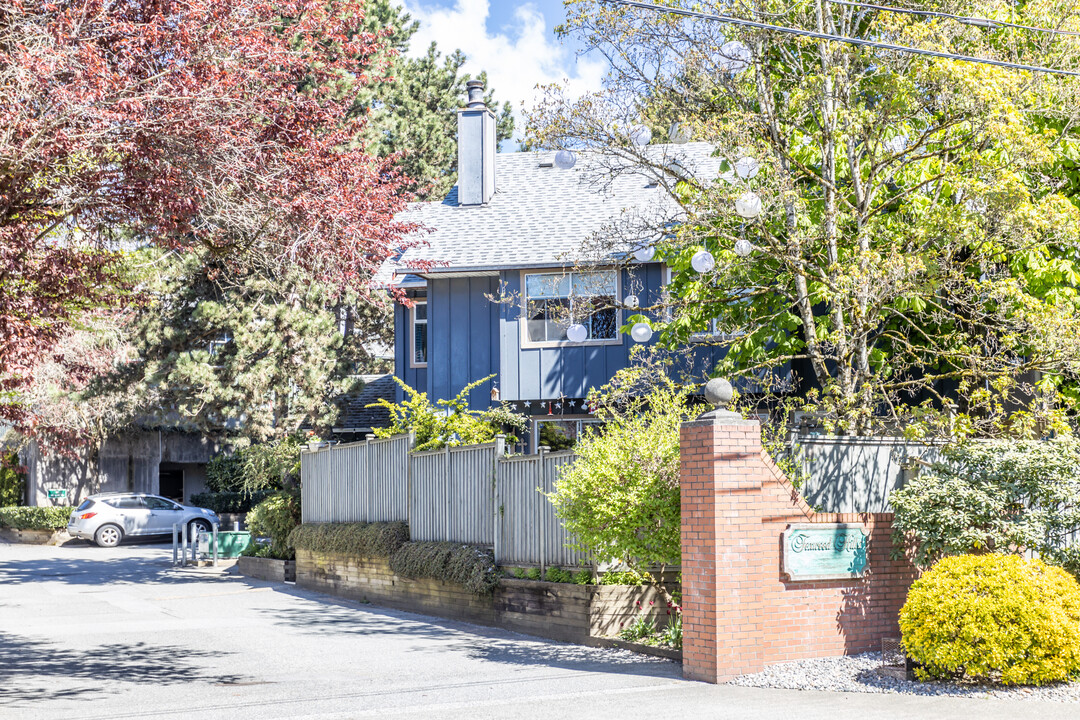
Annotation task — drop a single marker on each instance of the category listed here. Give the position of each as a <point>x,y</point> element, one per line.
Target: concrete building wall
<point>125,463</point>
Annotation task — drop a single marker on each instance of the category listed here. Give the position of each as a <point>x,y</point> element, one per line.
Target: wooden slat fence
<point>473,494</point>
<point>357,482</point>
<point>527,530</point>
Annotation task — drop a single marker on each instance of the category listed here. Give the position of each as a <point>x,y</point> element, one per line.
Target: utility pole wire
<point>835,38</point>
<point>966,20</point>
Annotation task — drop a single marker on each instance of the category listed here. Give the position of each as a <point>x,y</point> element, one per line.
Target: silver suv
<point>110,517</point>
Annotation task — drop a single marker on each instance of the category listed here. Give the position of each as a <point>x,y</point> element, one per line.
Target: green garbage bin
<point>230,543</point>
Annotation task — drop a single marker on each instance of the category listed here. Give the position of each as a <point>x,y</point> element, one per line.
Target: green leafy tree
<point>447,422</point>
<point>915,258</point>
<point>1002,497</point>
<point>620,498</point>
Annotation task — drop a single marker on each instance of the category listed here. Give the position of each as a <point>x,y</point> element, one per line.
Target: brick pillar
<point>725,550</point>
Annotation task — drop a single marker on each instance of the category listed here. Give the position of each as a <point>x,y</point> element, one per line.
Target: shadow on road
<point>97,566</point>
<point>61,673</point>
<point>324,615</point>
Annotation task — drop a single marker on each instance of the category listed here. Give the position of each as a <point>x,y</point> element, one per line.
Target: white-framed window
<point>555,300</point>
<point>419,319</point>
<point>712,333</point>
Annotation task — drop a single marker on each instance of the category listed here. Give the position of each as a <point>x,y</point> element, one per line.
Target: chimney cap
<point>476,94</point>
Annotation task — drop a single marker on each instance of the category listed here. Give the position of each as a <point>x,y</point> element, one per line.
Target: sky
<point>513,40</point>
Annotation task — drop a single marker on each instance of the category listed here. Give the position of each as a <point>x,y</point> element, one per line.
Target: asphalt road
<point>89,633</point>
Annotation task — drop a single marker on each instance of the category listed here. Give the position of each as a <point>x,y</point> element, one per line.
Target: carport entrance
<point>171,481</point>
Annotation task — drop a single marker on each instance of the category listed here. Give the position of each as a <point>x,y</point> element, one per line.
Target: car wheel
<point>108,536</point>
<point>196,527</point>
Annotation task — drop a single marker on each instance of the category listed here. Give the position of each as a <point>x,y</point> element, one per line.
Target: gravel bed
<point>861,673</point>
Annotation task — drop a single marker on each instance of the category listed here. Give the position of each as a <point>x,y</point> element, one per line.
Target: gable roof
<point>541,215</point>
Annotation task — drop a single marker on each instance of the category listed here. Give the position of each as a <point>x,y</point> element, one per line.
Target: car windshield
<point>85,504</point>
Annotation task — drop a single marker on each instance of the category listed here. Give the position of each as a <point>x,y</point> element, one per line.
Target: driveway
<point>90,633</point>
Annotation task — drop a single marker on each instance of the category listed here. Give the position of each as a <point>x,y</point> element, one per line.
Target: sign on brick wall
<point>824,551</point>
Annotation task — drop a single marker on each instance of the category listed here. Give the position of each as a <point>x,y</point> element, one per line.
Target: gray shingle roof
<point>544,215</point>
<point>356,416</point>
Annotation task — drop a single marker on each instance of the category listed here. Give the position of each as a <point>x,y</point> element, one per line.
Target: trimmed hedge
<point>35,518</point>
<point>230,502</point>
<point>359,539</point>
<point>471,567</point>
<point>276,517</point>
<point>997,618</point>
<point>466,565</point>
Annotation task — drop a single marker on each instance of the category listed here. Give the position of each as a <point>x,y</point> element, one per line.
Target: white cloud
<point>518,59</point>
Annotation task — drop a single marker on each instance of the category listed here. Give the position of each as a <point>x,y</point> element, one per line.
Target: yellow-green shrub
<point>994,617</point>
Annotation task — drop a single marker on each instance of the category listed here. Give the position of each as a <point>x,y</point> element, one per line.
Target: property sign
<point>819,551</point>
<point>57,494</point>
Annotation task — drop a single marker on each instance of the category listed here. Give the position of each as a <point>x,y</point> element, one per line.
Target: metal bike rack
<point>180,545</point>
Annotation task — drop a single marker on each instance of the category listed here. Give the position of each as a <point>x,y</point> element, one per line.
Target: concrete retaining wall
<point>561,611</point>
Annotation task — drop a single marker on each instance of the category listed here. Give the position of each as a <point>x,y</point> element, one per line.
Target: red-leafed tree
<point>189,123</point>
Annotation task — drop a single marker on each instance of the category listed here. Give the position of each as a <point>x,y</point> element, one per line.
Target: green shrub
<point>533,574</point>
<point>448,422</point>
<point>583,577</point>
<point>558,575</point>
<point>1013,496</point>
<point>366,540</point>
<point>229,502</point>
<point>994,617</point>
<point>12,481</point>
<point>620,497</point>
<point>276,517</point>
<point>624,577</point>
<point>465,565</point>
<point>35,518</point>
<point>265,466</point>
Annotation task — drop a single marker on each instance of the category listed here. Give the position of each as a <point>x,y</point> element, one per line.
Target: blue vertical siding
<point>462,337</point>
<point>413,377</point>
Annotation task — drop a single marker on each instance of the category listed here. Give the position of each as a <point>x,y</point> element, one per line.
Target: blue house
<point>506,262</point>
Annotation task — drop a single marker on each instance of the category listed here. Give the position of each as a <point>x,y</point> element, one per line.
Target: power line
<point>965,19</point>
<point>835,38</point>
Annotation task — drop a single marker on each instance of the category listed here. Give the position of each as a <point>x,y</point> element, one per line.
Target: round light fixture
<point>748,205</point>
<point>702,261</point>
<point>645,253</point>
<point>577,333</point>
<point>631,302</point>
<point>640,135</point>
<point>734,57</point>
<point>564,159</point>
<point>743,247</point>
<point>641,332</point>
<point>677,134</point>
<point>747,167</point>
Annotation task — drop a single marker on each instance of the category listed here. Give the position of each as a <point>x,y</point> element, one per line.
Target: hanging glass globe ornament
<point>645,253</point>
<point>577,333</point>
<point>747,167</point>
<point>641,332</point>
<point>677,134</point>
<point>734,57</point>
<point>631,302</point>
<point>897,144</point>
<point>702,261</point>
<point>565,159</point>
<point>748,205</point>
<point>743,247</point>
<point>640,135</point>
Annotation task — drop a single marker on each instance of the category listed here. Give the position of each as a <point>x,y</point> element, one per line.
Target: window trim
<point>523,319</point>
<point>537,420</point>
<point>412,331</point>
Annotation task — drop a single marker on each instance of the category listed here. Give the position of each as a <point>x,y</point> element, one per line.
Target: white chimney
<point>476,149</point>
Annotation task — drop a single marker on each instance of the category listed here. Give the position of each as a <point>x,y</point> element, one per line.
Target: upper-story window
<point>554,301</point>
<point>419,333</point>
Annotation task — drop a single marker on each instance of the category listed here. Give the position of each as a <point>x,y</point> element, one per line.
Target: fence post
<point>500,450</point>
<point>542,451</point>
<point>446,491</point>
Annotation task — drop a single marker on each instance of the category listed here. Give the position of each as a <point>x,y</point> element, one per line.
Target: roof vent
<point>547,163</point>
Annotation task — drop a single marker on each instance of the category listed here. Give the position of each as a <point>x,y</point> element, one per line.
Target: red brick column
<point>724,547</point>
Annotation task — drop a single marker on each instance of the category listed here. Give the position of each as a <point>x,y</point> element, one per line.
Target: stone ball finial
<point>718,392</point>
